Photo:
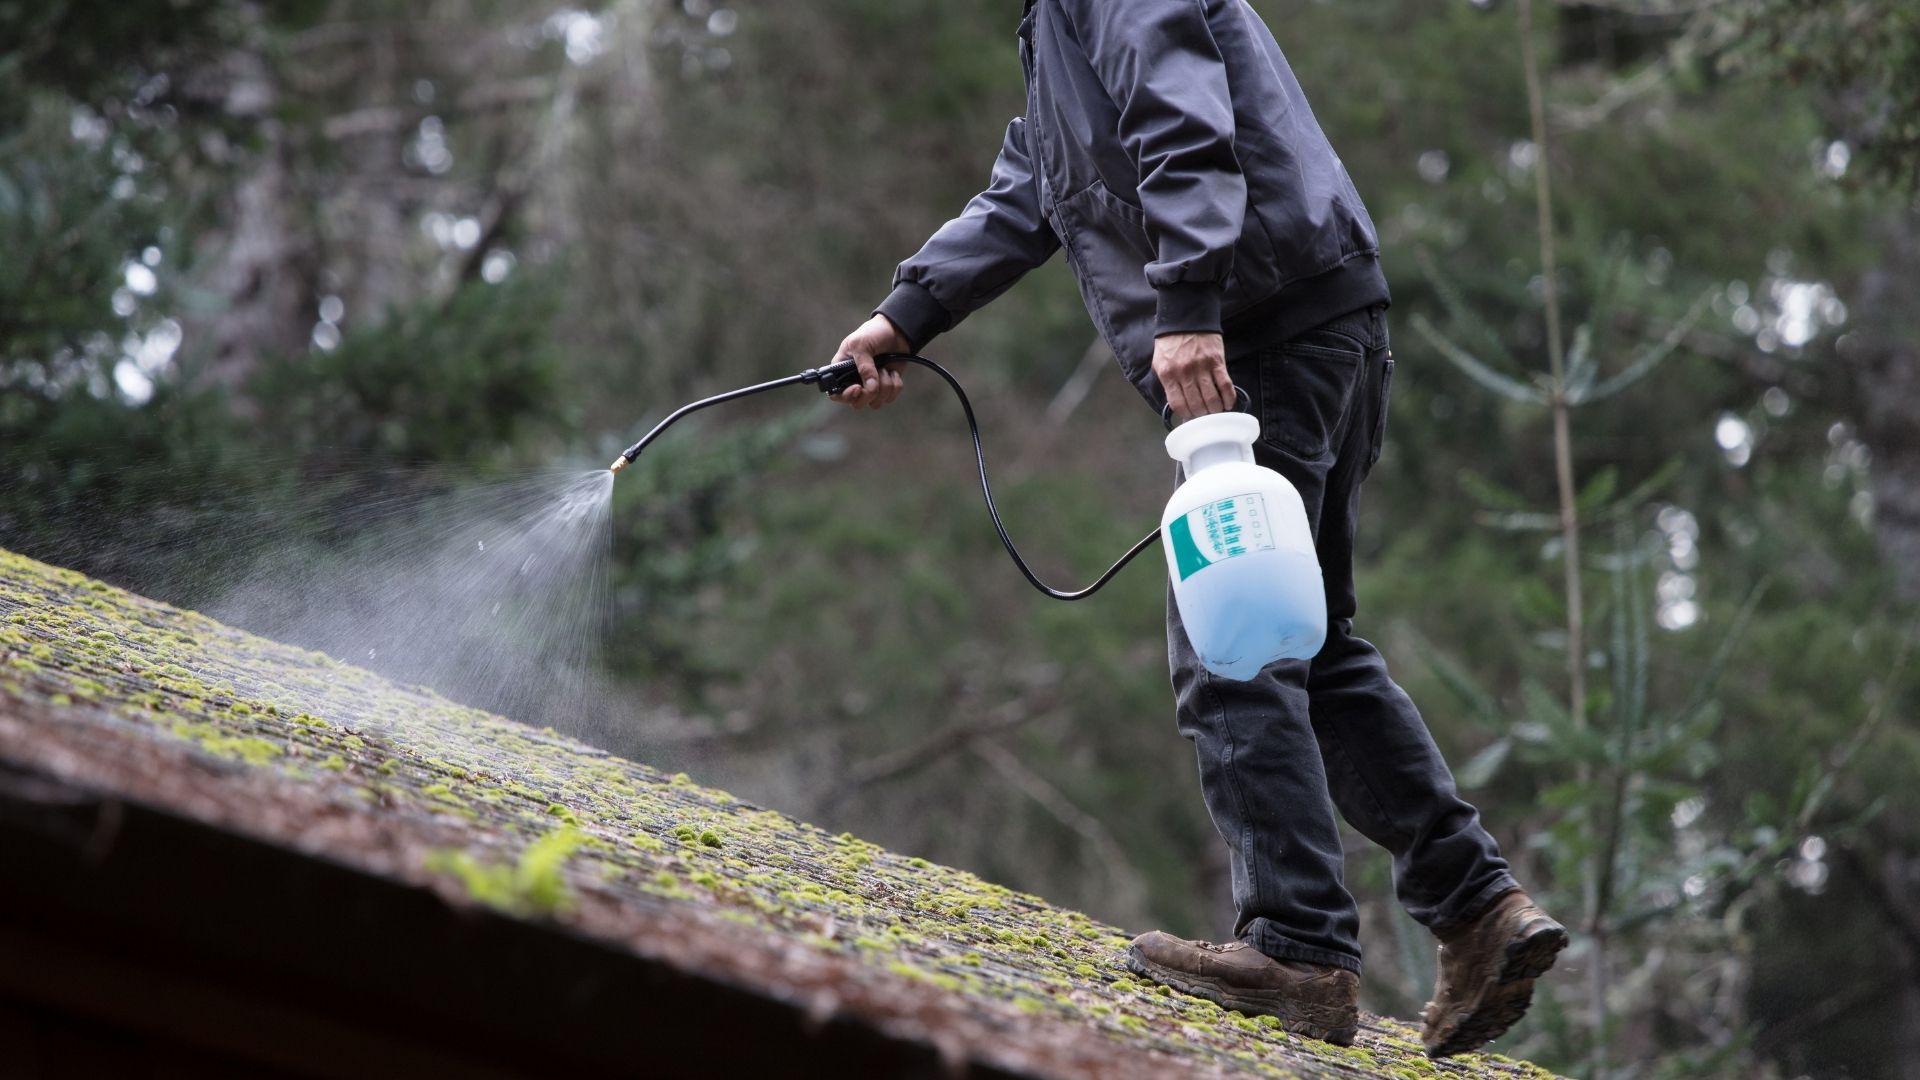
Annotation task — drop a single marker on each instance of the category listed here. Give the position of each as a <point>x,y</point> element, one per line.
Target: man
<point>1219,242</point>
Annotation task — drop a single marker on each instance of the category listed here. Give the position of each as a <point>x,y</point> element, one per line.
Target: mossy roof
<point>484,811</point>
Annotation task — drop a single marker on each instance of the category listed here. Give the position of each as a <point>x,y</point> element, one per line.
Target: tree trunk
<point>1884,357</point>
<point>252,265</point>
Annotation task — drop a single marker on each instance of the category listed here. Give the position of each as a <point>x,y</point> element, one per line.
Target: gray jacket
<point>1169,149</point>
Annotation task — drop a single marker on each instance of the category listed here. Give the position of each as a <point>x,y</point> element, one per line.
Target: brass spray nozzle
<point>619,463</point>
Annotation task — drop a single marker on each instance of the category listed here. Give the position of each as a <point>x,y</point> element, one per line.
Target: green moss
<point>940,979</point>
<point>538,874</point>
<point>534,885</point>
<point>334,762</point>
<point>253,751</point>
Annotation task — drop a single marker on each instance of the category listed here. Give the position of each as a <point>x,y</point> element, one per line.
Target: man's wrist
<point>1189,307</point>
<point>901,339</point>
<point>916,316</point>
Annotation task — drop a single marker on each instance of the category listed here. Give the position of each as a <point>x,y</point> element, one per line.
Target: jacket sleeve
<point>1161,66</point>
<point>974,258</point>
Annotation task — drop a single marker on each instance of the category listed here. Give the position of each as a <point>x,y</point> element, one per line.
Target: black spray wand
<point>841,374</point>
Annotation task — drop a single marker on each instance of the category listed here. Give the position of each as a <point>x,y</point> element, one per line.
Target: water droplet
<point>429,585</point>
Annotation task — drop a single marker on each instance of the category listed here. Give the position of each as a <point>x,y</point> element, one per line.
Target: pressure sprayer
<point>1239,552</point>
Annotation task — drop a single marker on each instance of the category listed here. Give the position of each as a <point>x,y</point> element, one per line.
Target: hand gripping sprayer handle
<point>840,374</point>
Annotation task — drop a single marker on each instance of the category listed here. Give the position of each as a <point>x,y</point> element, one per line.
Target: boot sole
<point>1502,1004</point>
<point>1327,1023</point>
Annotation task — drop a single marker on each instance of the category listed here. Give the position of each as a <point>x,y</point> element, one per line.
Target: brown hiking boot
<point>1487,968</point>
<point>1308,999</point>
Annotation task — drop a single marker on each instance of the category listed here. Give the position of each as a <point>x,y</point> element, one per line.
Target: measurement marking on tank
<point>1220,530</point>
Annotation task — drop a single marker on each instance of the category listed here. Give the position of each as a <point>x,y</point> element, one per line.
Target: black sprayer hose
<point>986,491</point>
<point>631,452</point>
<point>845,373</point>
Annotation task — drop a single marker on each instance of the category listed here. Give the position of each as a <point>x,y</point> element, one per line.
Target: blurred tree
<point>1863,58</point>
<point>1863,55</point>
<point>166,349</point>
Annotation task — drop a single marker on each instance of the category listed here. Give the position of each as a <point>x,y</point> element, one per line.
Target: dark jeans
<point>1280,753</point>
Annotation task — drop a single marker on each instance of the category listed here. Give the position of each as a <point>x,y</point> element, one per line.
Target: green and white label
<point>1218,531</point>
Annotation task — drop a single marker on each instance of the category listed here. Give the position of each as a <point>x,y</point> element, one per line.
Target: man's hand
<point>877,386</point>
<point>1192,369</point>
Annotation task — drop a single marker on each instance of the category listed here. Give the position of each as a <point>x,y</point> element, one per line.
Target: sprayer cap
<point>1236,428</point>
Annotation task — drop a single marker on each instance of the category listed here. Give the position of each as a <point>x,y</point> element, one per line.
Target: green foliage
<point>1621,832</point>
<point>87,49</point>
<point>466,390</point>
<point>1865,54</point>
<point>459,381</point>
<point>69,236</point>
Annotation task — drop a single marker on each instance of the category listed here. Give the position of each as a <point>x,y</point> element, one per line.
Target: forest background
<point>1644,543</point>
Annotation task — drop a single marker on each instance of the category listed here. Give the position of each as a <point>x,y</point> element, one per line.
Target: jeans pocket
<point>1380,406</point>
<point>1306,390</point>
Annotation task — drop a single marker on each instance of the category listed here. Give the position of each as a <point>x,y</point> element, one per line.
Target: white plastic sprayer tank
<point>1239,552</point>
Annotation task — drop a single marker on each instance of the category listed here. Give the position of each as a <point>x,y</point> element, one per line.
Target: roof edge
<point>166,927</point>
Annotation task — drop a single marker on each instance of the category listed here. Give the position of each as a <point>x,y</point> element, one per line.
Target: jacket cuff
<point>915,313</point>
<point>1188,307</point>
